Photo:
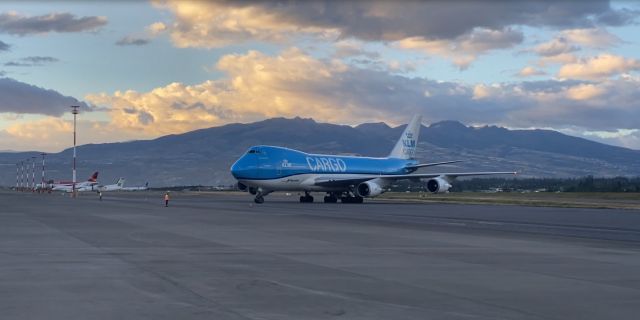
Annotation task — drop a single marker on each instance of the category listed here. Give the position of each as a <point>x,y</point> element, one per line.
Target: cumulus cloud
<point>585,91</point>
<point>464,49</point>
<point>459,32</point>
<point>44,133</point>
<point>132,41</point>
<point>22,98</point>
<point>601,66</point>
<point>561,49</point>
<point>348,49</point>
<point>529,71</point>
<point>555,47</point>
<point>22,25</point>
<point>31,61</point>
<point>591,37</point>
<point>215,24</point>
<point>293,83</point>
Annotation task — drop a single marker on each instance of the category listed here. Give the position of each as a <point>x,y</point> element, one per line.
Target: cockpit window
<point>253,151</point>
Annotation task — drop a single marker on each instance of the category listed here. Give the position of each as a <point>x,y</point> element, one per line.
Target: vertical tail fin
<point>94,177</point>
<point>406,146</point>
<point>120,182</point>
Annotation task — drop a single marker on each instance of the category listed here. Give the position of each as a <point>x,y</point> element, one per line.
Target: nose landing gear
<point>260,195</point>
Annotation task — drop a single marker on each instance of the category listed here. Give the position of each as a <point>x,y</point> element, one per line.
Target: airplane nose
<point>234,169</point>
<point>238,168</point>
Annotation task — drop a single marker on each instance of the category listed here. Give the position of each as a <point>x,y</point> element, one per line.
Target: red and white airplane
<point>67,186</point>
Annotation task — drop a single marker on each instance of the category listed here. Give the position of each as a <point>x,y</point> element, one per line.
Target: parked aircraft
<point>112,187</point>
<point>67,186</point>
<point>264,169</point>
<point>146,186</point>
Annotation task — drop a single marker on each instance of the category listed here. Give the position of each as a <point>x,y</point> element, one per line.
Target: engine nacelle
<point>242,186</point>
<point>369,189</point>
<point>438,185</point>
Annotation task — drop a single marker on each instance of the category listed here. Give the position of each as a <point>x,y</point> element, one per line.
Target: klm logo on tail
<point>406,147</point>
<point>409,145</point>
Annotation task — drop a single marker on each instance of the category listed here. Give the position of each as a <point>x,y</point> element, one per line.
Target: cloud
<point>22,25</point>
<point>31,61</point>
<point>601,66</point>
<point>349,49</point>
<point>22,98</point>
<point>561,49</point>
<point>4,46</point>
<point>132,41</point>
<point>293,83</point>
<point>585,91</point>
<point>530,72</point>
<point>157,28</point>
<point>215,24</point>
<point>52,134</point>
<point>555,47</point>
<point>592,37</point>
<point>464,49</point>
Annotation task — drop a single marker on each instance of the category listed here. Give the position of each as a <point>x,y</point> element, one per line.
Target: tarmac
<point>220,256</point>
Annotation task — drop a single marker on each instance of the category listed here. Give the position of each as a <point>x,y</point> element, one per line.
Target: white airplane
<point>146,187</point>
<point>264,169</point>
<point>67,186</point>
<point>112,187</point>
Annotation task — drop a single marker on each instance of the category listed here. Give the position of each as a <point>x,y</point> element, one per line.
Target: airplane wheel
<point>330,199</point>
<point>352,199</point>
<point>259,199</point>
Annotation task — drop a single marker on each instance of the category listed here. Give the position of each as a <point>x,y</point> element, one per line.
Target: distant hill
<point>204,156</point>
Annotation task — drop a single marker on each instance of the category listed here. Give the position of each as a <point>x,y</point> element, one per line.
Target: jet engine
<point>369,189</point>
<point>438,185</point>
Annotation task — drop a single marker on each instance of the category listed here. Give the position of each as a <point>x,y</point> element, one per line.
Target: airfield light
<point>21,174</point>
<point>26,176</point>
<point>74,111</point>
<point>42,182</point>
<point>33,174</point>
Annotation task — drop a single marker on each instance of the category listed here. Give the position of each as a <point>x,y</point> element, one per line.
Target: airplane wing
<point>355,180</point>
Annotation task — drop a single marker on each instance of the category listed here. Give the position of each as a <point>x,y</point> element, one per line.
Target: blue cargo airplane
<point>264,169</point>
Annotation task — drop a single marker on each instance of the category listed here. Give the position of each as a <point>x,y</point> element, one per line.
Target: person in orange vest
<point>166,199</point>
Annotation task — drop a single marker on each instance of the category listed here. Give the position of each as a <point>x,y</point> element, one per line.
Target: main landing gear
<point>307,198</point>
<point>351,199</point>
<point>331,197</point>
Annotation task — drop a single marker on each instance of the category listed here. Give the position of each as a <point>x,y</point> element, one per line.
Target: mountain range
<point>204,156</point>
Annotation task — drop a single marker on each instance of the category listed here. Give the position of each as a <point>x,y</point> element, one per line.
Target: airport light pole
<point>21,174</point>
<point>26,176</point>
<point>17,175</point>
<point>33,174</point>
<point>42,182</point>
<point>74,111</point>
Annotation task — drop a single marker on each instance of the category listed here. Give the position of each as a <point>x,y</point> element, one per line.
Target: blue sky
<point>568,66</point>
